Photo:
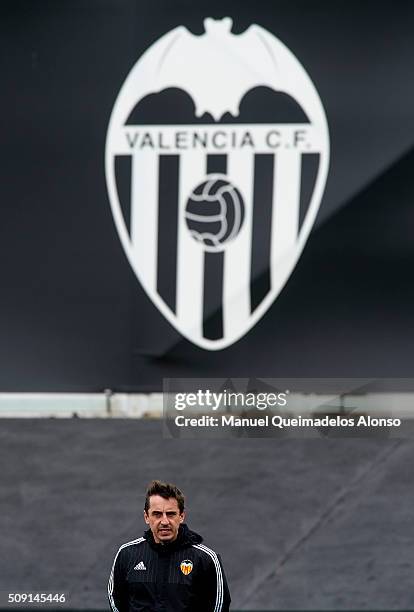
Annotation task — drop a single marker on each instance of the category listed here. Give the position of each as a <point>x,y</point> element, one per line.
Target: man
<point>168,569</point>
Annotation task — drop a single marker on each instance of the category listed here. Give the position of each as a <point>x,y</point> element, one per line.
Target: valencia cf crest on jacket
<point>186,567</point>
<point>217,155</point>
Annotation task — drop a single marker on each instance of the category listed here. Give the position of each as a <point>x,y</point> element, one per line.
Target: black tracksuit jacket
<point>183,576</point>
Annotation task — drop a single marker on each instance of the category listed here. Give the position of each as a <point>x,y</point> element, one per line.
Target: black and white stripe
<point>219,596</point>
<point>111,577</point>
<point>212,297</point>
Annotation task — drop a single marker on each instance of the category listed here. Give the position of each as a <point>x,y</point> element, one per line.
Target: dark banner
<point>205,189</point>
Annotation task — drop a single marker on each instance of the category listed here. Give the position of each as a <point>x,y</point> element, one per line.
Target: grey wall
<point>318,524</point>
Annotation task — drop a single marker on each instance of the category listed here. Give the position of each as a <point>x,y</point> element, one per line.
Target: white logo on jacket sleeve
<point>225,191</point>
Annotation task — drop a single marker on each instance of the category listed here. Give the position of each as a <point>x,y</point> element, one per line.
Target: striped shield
<point>186,567</point>
<point>215,168</point>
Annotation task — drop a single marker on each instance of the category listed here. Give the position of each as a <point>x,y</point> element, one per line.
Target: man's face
<point>163,518</point>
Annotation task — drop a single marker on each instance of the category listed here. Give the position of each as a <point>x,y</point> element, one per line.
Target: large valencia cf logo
<point>217,155</point>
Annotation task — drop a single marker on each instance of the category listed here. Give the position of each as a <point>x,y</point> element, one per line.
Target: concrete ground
<point>301,524</point>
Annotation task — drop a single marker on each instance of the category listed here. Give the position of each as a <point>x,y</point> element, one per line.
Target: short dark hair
<point>165,490</point>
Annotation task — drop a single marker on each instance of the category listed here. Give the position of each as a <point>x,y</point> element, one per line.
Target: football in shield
<point>217,155</point>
